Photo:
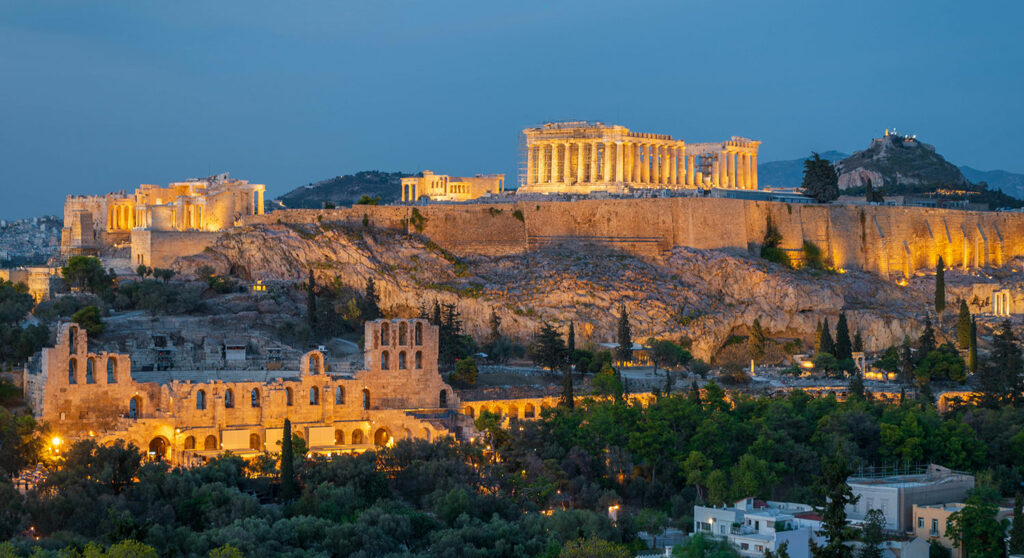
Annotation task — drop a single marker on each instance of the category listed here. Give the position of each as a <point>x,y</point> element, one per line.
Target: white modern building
<point>755,526</point>
<point>896,494</point>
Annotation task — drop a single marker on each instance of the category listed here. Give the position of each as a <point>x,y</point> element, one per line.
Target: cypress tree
<point>758,340</point>
<point>311,317</point>
<point>858,343</point>
<point>624,351</point>
<point>817,338</point>
<point>288,487</point>
<point>371,301</point>
<point>827,344</point>
<point>940,287</point>
<point>495,323</point>
<point>972,348</point>
<point>834,473</point>
<point>926,343</point>
<point>999,378</point>
<point>571,342</point>
<point>963,326</point>
<point>844,348</point>
<point>435,315</point>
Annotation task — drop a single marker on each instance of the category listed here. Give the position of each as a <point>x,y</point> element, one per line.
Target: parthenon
<point>583,157</point>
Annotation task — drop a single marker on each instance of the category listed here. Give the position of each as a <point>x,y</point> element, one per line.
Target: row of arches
<point>381,437</point>
<point>507,411</point>
<point>403,334</point>
<point>385,360</point>
<point>90,369</point>
<point>289,394</point>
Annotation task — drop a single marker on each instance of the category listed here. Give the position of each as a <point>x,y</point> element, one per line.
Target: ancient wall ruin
<point>891,241</point>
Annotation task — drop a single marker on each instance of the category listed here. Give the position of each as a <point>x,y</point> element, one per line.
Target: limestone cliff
<point>705,295</point>
<point>892,161</point>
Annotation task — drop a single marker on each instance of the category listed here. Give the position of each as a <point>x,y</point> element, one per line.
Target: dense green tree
<point>963,326</point>
<point>86,273</point>
<point>940,287</point>
<point>944,363</point>
<point>827,344</point>
<point>452,342</point>
<point>758,339</point>
<point>972,348</point>
<point>21,444</point>
<point>771,244</point>
<point>926,342</point>
<point>90,320</point>
<point>570,342</point>
<point>819,331</point>
<point>975,526</point>
<point>289,488</point>
<point>548,349</point>
<point>1016,543</point>
<point>872,535</point>
<point>837,533</point>
<point>465,373</point>
<point>624,336</point>
<point>843,346</point>
<point>311,310</point>
<point>1000,377</point>
<point>371,301</point>
<point>820,180</point>
<point>871,195</point>
<point>494,323</point>
<point>667,354</point>
<point>594,547</point>
<point>607,382</point>
<point>704,546</point>
<point>142,271</point>
<point>858,342</point>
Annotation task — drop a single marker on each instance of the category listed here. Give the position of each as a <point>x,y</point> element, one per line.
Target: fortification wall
<point>160,248</point>
<point>894,241</point>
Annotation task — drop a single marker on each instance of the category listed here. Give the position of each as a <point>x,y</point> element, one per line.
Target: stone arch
<point>288,397</point>
<point>381,437</point>
<point>229,399</point>
<point>384,360</point>
<point>339,437</point>
<point>210,443</point>
<point>358,437</point>
<point>90,376</point>
<point>385,333</point>
<point>201,400</point>
<point>470,411</point>
<point>72,339</point>
<point>403,333</point>
<point>418,333</point>
<point>418,360</point>
<point>314,395</point>
<point>442,399</point>
<point>513,412</point>
<point>72,370</point>
<point>312,363</point>
<point>255,442</point>
<point>158,448</point>
<point>408,434</point>
<point>135,407</point>
<point>366,399</point>
<point>254,398</point>
<point>529,411</point>
<point>402,365</point>
<point>426,433</point>
<point>339,395</point>
<point>111,370</point>
<point>190,443</point>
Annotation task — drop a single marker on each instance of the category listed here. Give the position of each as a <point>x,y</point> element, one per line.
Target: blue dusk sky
<point>103,96</point>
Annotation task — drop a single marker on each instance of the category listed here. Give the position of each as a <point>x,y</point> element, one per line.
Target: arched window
<point>442,399</point>
<point>381,437</point>
<point>339,395</point>
<point>470,411</point>
<point>254,398</point>
<point>418,333</point>
<point>190,443</point>
<point>357,437</point>
<point>366,399</point>
<point>72,370</point>
<point>418,360</point>
<point>201,400</point>
<point>385,334</point>
<point>89,377</point>
<point>315,363</point>
<point>339,438</point>
<point>111,370</point>
<point>384,361</point>
<point>134,407</point>
<point>403,333</point>
<point>254,442</point>
<point>210,443</point>
<point>529,411</point>
<point>73,339</point>
<point>314,396</point>
<point>288,396</point>
<point>229,399</point>
<point>401,360</point>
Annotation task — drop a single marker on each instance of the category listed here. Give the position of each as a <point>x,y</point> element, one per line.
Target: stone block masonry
<point>891,241</point>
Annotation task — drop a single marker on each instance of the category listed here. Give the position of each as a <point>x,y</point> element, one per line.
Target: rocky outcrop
<point>898,161</point>
<point>703,295</point>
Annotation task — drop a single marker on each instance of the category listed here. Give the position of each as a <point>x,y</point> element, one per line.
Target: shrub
<point>518,214</point>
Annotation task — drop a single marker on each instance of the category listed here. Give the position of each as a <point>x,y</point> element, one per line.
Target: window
<point>403,333</point>
<point>314,396</point>
<point>418,360</point>
<point>385,331</point>
<point>701,526</point>
<point>384,364</point>
<point>201,400</point>
<point>89,377</point>
<point>111,370</point>
<point>401,360</point>
<point>418,335</point>
<point>339,395</point>
<point>254,398</point>
<point>759,548</point>
<point>72,371</point>
<point>920,523</point>
<point>744,546</point>
<point>190,443</point>
<point>366,399</point>
<point>288,396</point>
<point>229,399</point>
<point>935,527</point>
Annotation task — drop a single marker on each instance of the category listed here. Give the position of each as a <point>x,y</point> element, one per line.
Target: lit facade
<point>441,187</point>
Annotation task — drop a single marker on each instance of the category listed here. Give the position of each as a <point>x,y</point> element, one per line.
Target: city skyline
<point>118,95</point>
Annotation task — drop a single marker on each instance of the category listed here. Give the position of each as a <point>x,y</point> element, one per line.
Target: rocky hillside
<point>706,296</point>
<point>899,162</point>
<point>346,190</point>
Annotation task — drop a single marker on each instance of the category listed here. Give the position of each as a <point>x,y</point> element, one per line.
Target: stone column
<point>594,174</point>
<point>554,163</point>
<point>529,165</point>
<point>691,161</point>
<point>618,161</point>
<point>542,164</point>
<point>580,167</point>
<point>259,203</point>
<point>606,161</point>
<point>673,164</point>
<point>741,171</point>
<point>655,163</point>
<point>753,171</point>
<point>716,170</point>
<point>567,163</point>
<point>645,163</point>
<point>732,169</point>
<point>723,170</point>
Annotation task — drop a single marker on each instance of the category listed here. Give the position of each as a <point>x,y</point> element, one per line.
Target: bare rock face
<point>704,296</point>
